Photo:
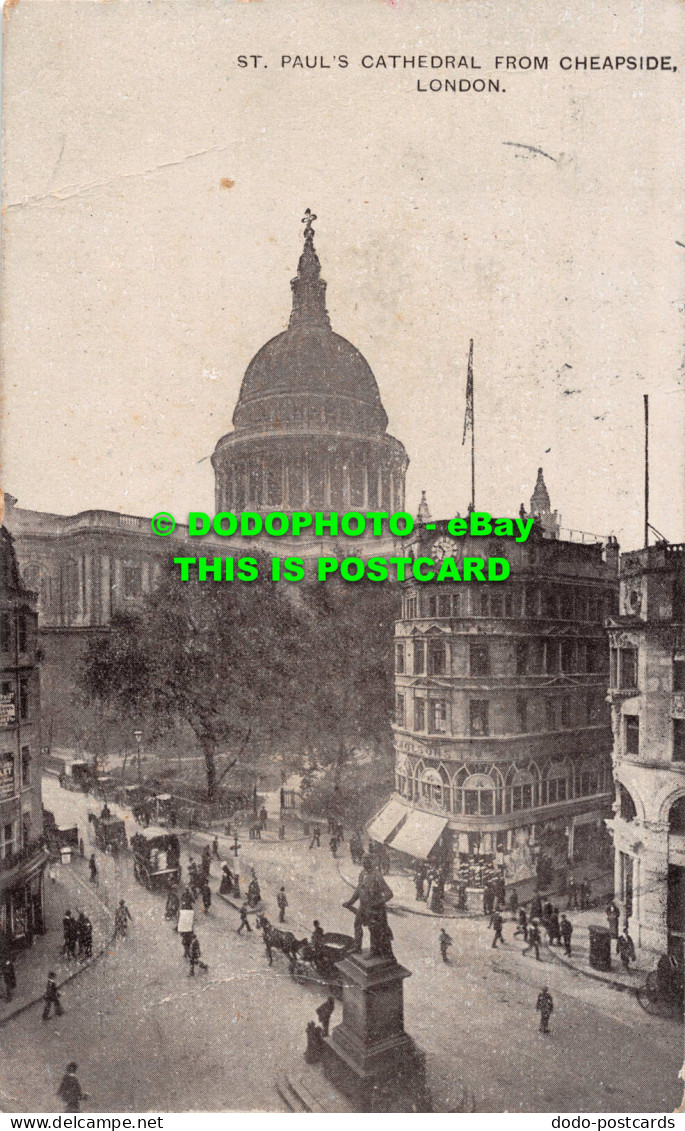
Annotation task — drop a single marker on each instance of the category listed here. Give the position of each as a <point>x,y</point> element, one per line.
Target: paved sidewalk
<point>69,890</point>
<point>618,978</point>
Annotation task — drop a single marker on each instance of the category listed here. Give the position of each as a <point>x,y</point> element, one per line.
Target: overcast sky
<point>136,288</point>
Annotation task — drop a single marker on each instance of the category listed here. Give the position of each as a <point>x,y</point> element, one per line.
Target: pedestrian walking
<point>70,931</point>
<point>86,938</point>
<point>206,897</point>
<point>536,906</point>
<point>317,938</point>
<point>533,939</point>
<point>544,1006</point>
<point>444,942</point>
<point>52,997</point>
<point>9,978</point>
<point>244,921</point>
<point>281,831</point>
<point>187,900</point>
<point>584,894</point>
<point>316,837</point>
<point>513,902</point>
<point>522,928</point>
<point>195,956</point>
<point>215,848</point>
<point>419,881</point>
<point>263,817</point>
<point>282,901</point>
<point>194,882</point>
<point>122,918</point>
<point>81,934</point>
<point>206,861</point>
<point>572,891</point>
<point>553,928</point>
<point>333,843</point>
<point>566,931</point>
<point>172,904</point>
<point>93,869</point>
<point>626,949</point>
<point>324,1013</point>
<point>613,916</point>
<point>497,922</point>
<point>70,1091</point>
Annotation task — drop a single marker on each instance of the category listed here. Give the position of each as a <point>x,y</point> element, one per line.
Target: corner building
<point>647,694</point>
<point>22,856</point>
<point>502,736</point>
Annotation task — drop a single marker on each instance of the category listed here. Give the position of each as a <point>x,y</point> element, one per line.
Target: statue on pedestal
<point>372,894</point>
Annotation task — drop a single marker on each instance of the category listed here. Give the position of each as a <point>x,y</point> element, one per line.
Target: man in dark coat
<point>206,897</point>
<point>444,942</point>
<point>52,997</point>
<point>316,837</point>
<point>244,922</point>
<point>70,935</point>
<point>497,922</point>
<point>613,916</point>
<point>324,1013</point>
<point>533,939</point>
<point>195,956</point>
<point>566,930</point>
<point>544,1006</point>
<point>553,927</point>
<point>9,978</point>
<point>93,868</point>
<point>522,928</point>
<point>536,906</point>
<point>70,1090</point>
<point>626,949</point>
<point>282,901</point>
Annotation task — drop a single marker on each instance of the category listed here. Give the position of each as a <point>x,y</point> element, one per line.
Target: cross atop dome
<point>309,289</point>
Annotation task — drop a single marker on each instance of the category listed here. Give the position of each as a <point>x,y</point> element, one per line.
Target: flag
<point>468,416</point>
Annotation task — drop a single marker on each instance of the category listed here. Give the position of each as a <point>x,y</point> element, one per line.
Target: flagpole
<point>473,434</point>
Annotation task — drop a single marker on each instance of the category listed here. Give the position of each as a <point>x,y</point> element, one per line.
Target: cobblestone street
<point>148,1038</point>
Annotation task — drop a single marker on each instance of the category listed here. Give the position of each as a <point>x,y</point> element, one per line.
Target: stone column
<point>105,595</point>
<point>88,588</point>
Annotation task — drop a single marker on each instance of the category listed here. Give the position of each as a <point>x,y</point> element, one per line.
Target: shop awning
<point>419,834</point>
<point>387,821</point>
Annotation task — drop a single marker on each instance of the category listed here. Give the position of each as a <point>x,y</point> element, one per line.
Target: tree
<point>217,656</point>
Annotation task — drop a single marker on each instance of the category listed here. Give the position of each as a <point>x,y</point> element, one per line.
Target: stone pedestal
<point>475,900</point>
<point>369,1056</point>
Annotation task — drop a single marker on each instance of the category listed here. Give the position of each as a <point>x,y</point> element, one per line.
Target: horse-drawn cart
<point>156,858</point>
<point>320,963</point>
<point>110,833</point>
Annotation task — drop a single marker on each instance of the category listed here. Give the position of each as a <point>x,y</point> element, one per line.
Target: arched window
<point>676,817</point>
<point>626,805</point>
<point>556,783</point>
<point>479,796</point>
<point>521,790</point>
<point>432,790</point>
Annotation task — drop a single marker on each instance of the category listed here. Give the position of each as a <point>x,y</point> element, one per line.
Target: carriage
<point>320,963</point>
<point>662,993</point>
<point>156,858</point>
<point>110,833</point>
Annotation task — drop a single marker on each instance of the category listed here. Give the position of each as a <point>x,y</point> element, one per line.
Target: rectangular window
<point>567,656</point>
<point>23,699</point>
<point>595,704</point>
<point>6,841</point>
<point>432,606</point>
<point>550,650</point>
<point>551,604</point>
<point>411,608</point>
<point>613,667</point>
<point>456,606</point>
<point>399,710</point>
<point>679,740</point>
<point>508,605</point>
<point>437,657</point>
<point>628,667</point>
<point>566,711</point>
<point>632,734</point>
<point>596,656</point>
<point>419,714</point>
<point>419,657</point>
<point>496,603</point>
<point>5,632</point>
<point>437,716</point>
<point>399,658</point>
<point>22,635</point>
<point>566,603</point>
<point>521,657</point>
<point>484,603</point>
<point>479,657</point>
<point>521,714</point>
<point>550,714</point>
<point>6,775</point>
<point>444,606</point>
<point>479,716</point>
<point>679,675</point>
<point>25,767</point>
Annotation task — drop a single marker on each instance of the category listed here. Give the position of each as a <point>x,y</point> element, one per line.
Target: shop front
<point>22,898</point>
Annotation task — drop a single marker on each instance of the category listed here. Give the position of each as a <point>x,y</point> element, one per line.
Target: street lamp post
<point>138,735</point>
